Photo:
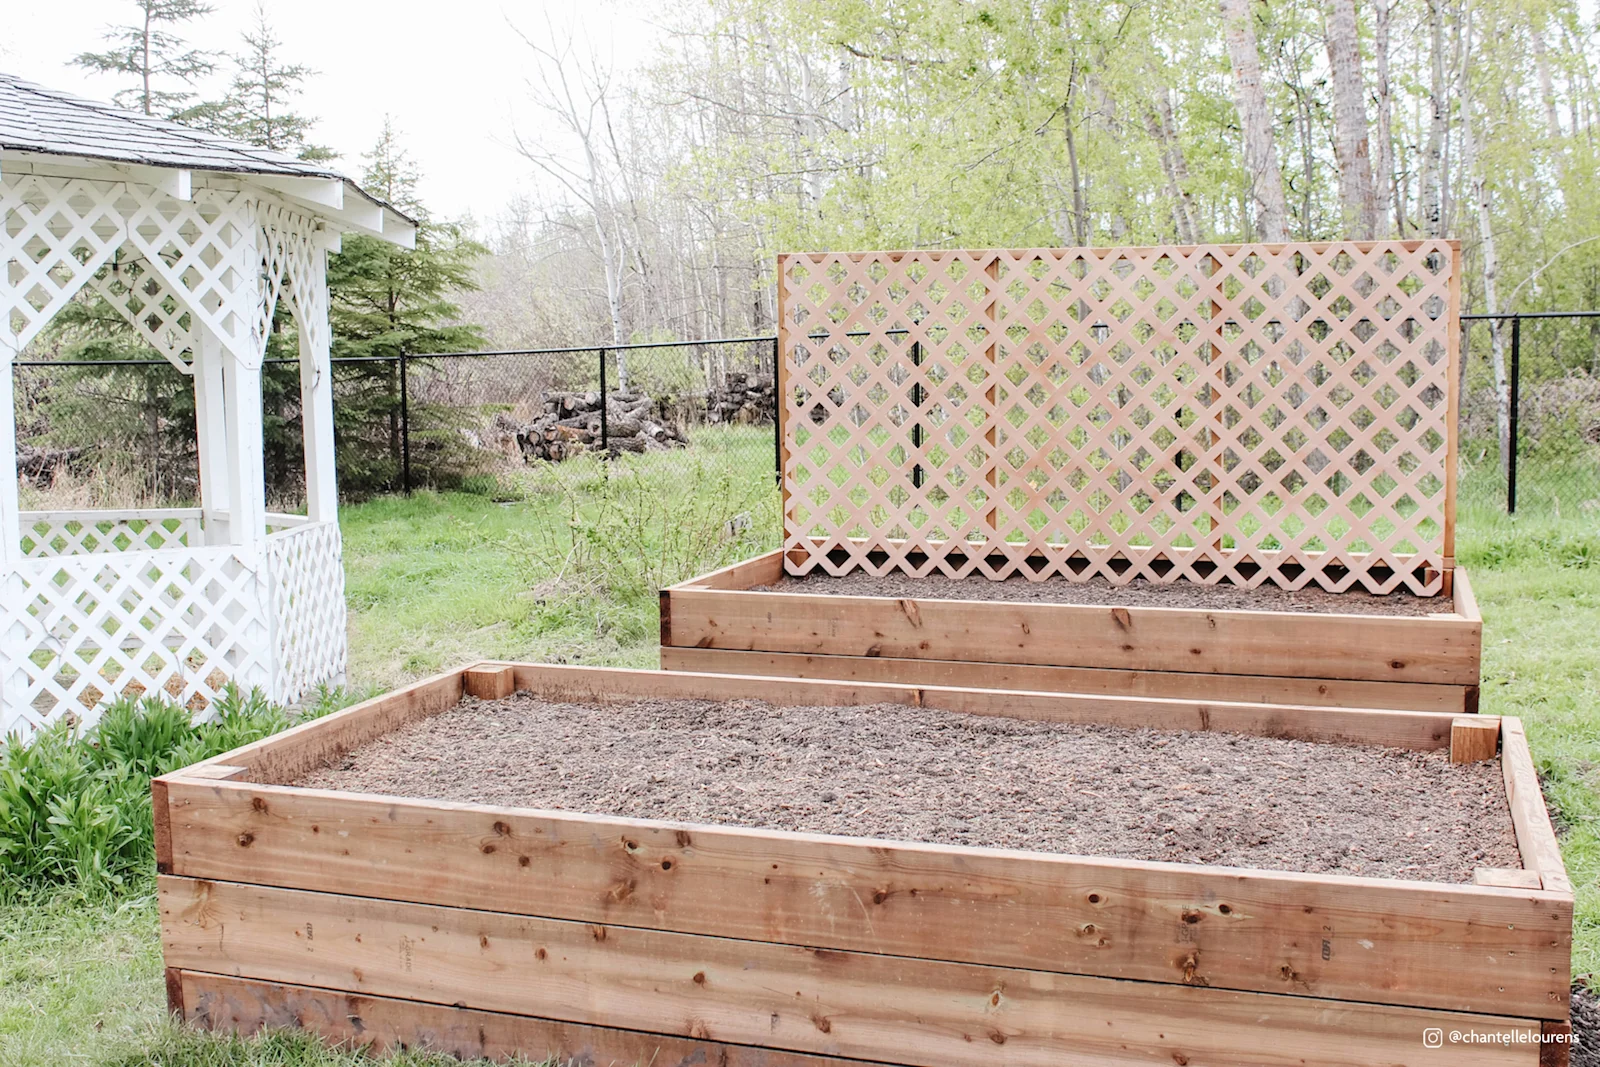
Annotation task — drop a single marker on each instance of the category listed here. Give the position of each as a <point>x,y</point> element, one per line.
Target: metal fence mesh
<point>122,433</point>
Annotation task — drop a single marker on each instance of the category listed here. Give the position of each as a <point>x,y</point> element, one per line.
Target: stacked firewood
<point>744,399</point>
<point>40,465</point>
<point>571,424</point>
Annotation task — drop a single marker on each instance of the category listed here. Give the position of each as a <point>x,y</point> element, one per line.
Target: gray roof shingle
<point>36,119</point>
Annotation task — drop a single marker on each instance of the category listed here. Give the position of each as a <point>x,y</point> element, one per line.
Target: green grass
<point>441,579</point>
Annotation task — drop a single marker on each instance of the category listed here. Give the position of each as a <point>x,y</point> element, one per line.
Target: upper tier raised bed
<point>752,618</point>
<point>488,929</point>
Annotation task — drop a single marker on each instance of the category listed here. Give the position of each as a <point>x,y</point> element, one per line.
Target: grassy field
<point>563,567</point>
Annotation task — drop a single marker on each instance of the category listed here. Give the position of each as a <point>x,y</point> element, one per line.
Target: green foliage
<point>387,301</point>
<point>75,807</point>
<point>150,56</point>
<point>258,108</point>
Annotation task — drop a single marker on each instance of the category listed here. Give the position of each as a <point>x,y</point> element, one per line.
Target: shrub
<point>75,805</point>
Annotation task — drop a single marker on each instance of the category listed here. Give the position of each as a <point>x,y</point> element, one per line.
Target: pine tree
<point>259,105</point>
<point>152,55</point>
<point>388,302</point>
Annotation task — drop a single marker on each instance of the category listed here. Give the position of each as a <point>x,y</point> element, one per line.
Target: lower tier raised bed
<point>489,930</point>
<point>751,619</point>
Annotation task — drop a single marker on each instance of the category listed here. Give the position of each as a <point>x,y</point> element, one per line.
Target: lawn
<point>562,565</point>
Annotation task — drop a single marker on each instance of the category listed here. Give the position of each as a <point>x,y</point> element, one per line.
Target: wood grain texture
<point>1474,738</point>
<point>1441,649</point>
<point>288,755</point>
<point>488,681</point>
<point>1050,400</point>
<point>1536,838</point>
<point>1088,681</point>
<point>385,1025</point>
<point>1507,878</point>
<point>1428,945</point>
<point>857,1005</point>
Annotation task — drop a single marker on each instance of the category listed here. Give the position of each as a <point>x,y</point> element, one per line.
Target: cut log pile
<point>40,465</point>
<point>571,424</point>
<point>746,399</point>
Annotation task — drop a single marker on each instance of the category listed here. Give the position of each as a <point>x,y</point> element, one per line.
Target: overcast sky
<point>449,73</point>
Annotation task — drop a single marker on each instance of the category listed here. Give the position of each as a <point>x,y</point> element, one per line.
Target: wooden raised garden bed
<point>753,619</point>
<point>483,930</point>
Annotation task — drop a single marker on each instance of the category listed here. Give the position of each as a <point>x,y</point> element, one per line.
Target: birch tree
<point>1255,121</point>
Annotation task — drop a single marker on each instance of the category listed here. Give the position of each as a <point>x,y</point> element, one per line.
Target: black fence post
<point>777,417</point>
<point>405,429</point>
<point>916,402</point>
<point>604,426</point>
<point>1516,406</point>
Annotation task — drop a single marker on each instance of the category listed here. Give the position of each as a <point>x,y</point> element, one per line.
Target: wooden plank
<point>609,685</point>
<point>1466,602</point>
<point>1431,649</point>
<point>764,569</point>
<point>1507,878</point>
<point>286,756</point>
<point>1474,738</point>
<point>175,1001</point>
<point>1454,947</point>
<point>968,674</point>
<point>1452,389</point>
<point>1536,838</point>
<point>1555,1043</point>
<point>385,1025</point>
<point>160,806</point>
<point>857,1005</point>
<point>489,681</point>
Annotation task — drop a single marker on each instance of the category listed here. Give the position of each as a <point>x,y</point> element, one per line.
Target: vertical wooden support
<point>488,681</point>
<point>10,505</point>
<point>1555,1043</point>
<point>316,393</point>
<point>247,511</point>
<point>1474,738</point>
<point>1453,413</point>
<point>211,437</point>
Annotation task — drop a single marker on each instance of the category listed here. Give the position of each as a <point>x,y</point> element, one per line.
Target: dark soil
<point>1137,593</point>
<point>919,774</point>
<point>1585,1027</point>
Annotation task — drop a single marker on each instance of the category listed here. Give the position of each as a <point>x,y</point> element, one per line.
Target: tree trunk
<point>1351,143</point>
<point>1383,179</point>
<point>1433,156</point>
<point>1488,254</point>
<point>1255,122</point>
<point>1164,131</point>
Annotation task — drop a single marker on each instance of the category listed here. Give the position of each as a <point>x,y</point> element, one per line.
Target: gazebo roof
<point>43,126</point>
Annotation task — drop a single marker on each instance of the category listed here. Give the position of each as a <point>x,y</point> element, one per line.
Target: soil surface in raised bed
<point>921,774</point>
<point>1137,593</point>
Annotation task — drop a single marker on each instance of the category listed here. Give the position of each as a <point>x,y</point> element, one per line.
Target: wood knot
<point>1191,917</point>
<point>539,954</point>
<point>997,1037</point>
<point>879,897</point>
<point>258,803</point>
<point>483,941</point>
<point>821,1022</point>
<point>1191,968</point>
<point>1121,617</point>
<point>502,829</point>
<point>245,839</point>
<point>699,978</point>
<point>683,838</point>
<point>523,861</point>
<point>486,849</point>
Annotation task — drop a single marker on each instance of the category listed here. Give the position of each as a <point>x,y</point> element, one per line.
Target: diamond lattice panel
<point>306,570</point>
<point>1242,414</point>
<point>182,622</point>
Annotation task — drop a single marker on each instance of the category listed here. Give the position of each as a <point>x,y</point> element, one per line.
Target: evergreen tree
<point>259,105</point>
<point>152,56</point>
<point>388,302</point>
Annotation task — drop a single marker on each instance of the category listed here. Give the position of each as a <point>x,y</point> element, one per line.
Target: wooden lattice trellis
<point>1241,413</point>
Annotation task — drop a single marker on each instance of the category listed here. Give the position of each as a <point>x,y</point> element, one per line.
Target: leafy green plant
<point>75,806</point>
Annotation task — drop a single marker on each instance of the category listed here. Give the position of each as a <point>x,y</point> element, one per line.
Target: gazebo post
<point>10,504</point>
<point>247,505</point>
<point>316,392</point>
<point>211,438</point>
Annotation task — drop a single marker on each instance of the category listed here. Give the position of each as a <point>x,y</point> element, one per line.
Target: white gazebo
<point>195,239</point>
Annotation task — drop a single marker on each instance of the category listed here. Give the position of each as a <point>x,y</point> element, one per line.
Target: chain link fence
<point>122,433</point>
<point>699,414</point>
<point>1530,430</point>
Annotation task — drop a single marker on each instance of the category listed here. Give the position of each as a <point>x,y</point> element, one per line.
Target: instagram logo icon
<point>1432,1037</point>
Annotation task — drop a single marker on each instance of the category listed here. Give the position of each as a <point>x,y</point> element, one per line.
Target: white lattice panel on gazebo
<point>1241,414</point>
<point>305,568</point>
<point>183,622</point>
<point>48,534</point>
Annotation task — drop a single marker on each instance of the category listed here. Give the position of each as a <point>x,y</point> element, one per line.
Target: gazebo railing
<point>128,602</point>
